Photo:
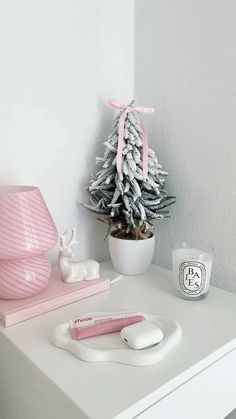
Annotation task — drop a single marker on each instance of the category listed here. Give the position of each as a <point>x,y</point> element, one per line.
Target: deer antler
<point>72,239</point>
<point>65,241</point>
<point>63,238</point>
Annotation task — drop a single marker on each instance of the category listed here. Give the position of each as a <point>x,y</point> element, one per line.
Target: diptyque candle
<point>191,271</point>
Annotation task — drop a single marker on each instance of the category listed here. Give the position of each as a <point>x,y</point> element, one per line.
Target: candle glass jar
<point>192,268</point>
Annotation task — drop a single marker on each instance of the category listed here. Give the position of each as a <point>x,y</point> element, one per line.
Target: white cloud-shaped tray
<point>111,348</point>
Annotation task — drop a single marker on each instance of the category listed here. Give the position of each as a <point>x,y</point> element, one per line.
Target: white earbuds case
<point>141,335</point>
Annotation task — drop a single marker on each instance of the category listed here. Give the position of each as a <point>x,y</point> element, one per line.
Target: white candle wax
<point>192,271</point>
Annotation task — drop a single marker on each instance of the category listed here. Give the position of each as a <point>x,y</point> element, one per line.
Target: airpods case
<point>141,335</point>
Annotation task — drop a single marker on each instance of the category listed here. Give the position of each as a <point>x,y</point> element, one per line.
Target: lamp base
<point>21,278</point>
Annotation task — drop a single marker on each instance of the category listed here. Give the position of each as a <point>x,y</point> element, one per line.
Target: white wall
<point>60,61</point>
<point>185,65</point>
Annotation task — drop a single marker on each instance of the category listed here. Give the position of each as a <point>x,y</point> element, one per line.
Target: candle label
<point>192,277</point>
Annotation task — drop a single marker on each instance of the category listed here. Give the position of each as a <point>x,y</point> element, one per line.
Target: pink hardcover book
<point>55,295</point>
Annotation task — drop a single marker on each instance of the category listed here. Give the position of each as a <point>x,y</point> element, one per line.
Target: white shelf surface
<point>109,390</point>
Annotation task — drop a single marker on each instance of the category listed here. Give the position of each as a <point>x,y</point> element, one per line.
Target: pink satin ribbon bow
<point>127,109</point>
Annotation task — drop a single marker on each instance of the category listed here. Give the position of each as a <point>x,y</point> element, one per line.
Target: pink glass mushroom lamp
<point>27,231</point>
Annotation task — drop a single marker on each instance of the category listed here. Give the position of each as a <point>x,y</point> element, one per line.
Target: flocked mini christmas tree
<point>128,191</point>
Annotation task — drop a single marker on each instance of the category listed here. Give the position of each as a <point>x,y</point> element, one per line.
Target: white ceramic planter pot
<point>131,257</point>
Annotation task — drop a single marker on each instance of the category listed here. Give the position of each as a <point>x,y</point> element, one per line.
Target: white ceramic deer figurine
<point>72,271</point>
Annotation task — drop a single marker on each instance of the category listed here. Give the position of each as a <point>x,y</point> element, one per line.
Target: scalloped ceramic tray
<point>111,348</point>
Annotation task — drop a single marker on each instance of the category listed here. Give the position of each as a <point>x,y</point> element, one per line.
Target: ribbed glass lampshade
<point>26,226</point>
<point>27,231</point>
